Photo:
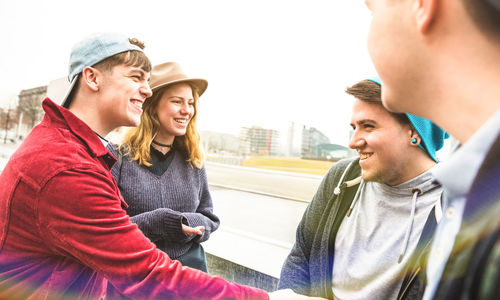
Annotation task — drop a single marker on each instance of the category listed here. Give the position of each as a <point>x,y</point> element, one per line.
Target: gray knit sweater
<point>159,204</point>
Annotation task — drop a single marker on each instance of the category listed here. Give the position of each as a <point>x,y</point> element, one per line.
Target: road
<point>300,187</point>
<point>257,228</point>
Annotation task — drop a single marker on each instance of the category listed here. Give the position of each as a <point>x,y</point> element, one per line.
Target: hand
<point>288,294</point>
<point>193,230</point>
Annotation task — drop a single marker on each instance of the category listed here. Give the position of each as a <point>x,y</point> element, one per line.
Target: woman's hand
<point>193,230</point>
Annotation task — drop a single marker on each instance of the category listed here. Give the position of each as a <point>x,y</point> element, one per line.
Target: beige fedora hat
<point>168,73</point>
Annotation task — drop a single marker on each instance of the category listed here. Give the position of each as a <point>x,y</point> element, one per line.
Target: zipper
<point>410,282</point>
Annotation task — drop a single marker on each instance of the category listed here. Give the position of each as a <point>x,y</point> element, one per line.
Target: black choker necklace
<point>163,145</point>
<point>101,137</point>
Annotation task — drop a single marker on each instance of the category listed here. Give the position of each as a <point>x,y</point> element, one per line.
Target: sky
<point>268,62</point>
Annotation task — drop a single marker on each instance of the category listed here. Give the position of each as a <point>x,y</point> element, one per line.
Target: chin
<point>391,105</point>
<point>133,122</point>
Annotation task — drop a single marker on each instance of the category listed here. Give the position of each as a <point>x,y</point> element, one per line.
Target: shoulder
<point>349,166</point>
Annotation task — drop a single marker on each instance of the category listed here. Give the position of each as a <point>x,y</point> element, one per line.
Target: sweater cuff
<point>173,224</point>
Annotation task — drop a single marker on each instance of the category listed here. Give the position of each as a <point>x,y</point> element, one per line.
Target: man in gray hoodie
<point>359,231</point>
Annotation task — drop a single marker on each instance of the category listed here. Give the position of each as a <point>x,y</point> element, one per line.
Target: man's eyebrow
<point>364,121</point>
<point>138,70</point>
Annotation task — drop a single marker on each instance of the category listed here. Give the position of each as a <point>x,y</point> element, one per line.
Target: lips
<point>137,103</point>
<point>181,121</point>
<point>363,156</point>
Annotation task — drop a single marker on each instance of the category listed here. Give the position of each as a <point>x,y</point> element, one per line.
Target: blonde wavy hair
<point>137,141</point>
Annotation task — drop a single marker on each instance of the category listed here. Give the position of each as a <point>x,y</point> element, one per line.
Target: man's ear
<point>415,139</point>
<point>425,12</point>
<point>91,78</point>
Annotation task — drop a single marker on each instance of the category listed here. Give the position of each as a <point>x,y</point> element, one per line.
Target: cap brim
<point>68,97</point>
<point>201,84</point>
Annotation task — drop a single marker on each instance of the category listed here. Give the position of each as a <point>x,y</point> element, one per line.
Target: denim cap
<point>90,51</point>
<point>432,135</point>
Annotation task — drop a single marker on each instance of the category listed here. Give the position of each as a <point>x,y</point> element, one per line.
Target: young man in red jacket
<point>63,231</point>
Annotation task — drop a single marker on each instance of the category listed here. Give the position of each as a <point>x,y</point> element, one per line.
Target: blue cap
<point>432,135</point>
<point>93,49</point>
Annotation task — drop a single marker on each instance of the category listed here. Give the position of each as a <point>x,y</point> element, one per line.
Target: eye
<point>368,126</point>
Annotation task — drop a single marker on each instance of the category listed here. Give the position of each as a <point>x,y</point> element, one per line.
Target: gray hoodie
<point>375,241</point>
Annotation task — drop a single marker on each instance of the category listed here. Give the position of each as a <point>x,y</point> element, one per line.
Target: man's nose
<point>356,141</point>
<point>146,90</point>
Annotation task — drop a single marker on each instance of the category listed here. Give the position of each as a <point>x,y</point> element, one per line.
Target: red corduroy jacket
<point>64,233</point>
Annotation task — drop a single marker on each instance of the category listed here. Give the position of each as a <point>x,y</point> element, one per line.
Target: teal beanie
<point>432,136</point>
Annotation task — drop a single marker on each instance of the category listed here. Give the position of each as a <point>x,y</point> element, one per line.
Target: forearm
<point>95,231</point>
<point>161,223</point>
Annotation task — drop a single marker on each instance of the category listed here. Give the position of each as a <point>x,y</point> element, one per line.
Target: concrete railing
<point>237,273</point>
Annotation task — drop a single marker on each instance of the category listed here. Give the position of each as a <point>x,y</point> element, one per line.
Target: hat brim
<point>68,97</point>
<point>200,84</point>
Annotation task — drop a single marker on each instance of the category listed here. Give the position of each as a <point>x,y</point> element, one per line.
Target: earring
<point>414,141</point>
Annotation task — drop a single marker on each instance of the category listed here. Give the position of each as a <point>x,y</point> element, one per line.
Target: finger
<point>197,231</point>
<point>191,230</point>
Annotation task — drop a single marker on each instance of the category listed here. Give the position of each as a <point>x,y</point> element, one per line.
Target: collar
<point>61,117</point>
<point>467,160</point>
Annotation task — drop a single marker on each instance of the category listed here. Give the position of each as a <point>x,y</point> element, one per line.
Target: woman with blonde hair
<point>160,169</point>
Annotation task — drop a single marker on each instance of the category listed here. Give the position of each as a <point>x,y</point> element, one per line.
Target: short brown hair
<point>371,92</point>
<point>485,15</point>
<point>129,58</point>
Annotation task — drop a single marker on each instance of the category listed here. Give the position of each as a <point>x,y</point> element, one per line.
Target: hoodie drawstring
<point>337,189</point>
<point>352,183</point>
<point>406,239</point>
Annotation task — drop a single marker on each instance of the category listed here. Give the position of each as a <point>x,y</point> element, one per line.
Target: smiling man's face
<point>382,142</point>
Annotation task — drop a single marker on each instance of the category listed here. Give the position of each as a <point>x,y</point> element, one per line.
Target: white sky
<point>268,62</point>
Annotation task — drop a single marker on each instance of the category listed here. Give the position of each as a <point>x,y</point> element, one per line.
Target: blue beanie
<point>432,136</point>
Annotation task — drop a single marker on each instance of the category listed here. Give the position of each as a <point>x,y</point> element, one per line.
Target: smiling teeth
<point>364,155</point>
<point>182,121</point>
<point>138,104</point>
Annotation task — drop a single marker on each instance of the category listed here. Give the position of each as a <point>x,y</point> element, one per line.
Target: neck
<point>163,148</point>
<point>91,116</point>
<point>163,138</point>
<point>162,145</point>
<point>416,164</point>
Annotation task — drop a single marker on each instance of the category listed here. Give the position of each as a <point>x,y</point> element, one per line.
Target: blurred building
<point>261,141</point>
<point>311,139</point>
<point>30,108</point>
<point>293,139</point>
<point>316,145</point>
<point>223,143</point>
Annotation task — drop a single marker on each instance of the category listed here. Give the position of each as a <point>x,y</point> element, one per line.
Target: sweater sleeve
<point>204,215</point>
<point>161,223</point>
<point>295,273</point>
<point>91,228</point>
